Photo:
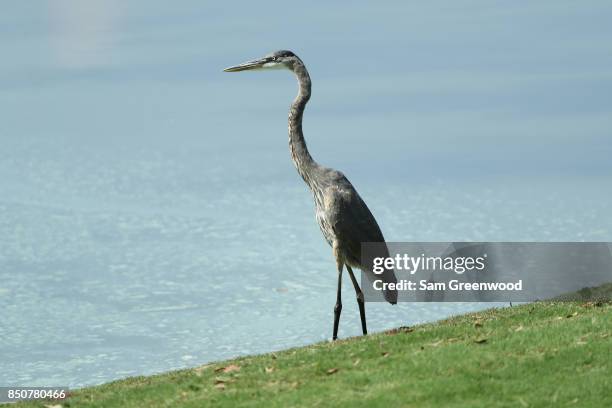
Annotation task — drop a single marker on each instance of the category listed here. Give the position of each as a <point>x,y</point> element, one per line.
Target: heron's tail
<point>388,276</point>
<point>379,250</point>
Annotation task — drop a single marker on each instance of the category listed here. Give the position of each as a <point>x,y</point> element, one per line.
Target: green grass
<point>540,354</point>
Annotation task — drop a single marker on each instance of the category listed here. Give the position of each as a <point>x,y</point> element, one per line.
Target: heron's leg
<point>360,300</point>
<point>338,307</point>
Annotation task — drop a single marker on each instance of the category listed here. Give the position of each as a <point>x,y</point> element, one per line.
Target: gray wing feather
<point>352,223</point>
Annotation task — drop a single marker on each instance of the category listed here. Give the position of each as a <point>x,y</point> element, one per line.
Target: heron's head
<point>282,59</point>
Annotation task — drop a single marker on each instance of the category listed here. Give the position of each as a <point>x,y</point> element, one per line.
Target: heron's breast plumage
<point>320,215</point>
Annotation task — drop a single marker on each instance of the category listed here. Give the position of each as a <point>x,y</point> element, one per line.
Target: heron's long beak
<point>247,65</point>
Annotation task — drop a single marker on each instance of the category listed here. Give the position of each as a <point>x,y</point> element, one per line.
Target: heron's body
<point>342,215</point>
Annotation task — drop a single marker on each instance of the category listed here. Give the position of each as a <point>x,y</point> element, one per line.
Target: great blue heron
<point>342,215</point>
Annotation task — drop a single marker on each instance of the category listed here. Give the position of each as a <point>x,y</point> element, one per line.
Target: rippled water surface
<point>151,219</point>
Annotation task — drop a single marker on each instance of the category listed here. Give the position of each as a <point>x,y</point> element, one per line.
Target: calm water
<point>151,219</point>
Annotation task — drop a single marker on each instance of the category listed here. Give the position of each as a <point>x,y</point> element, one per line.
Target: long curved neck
<point>302,160</point>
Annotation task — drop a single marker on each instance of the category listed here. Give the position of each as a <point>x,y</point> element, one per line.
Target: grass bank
<point>541,354</point>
